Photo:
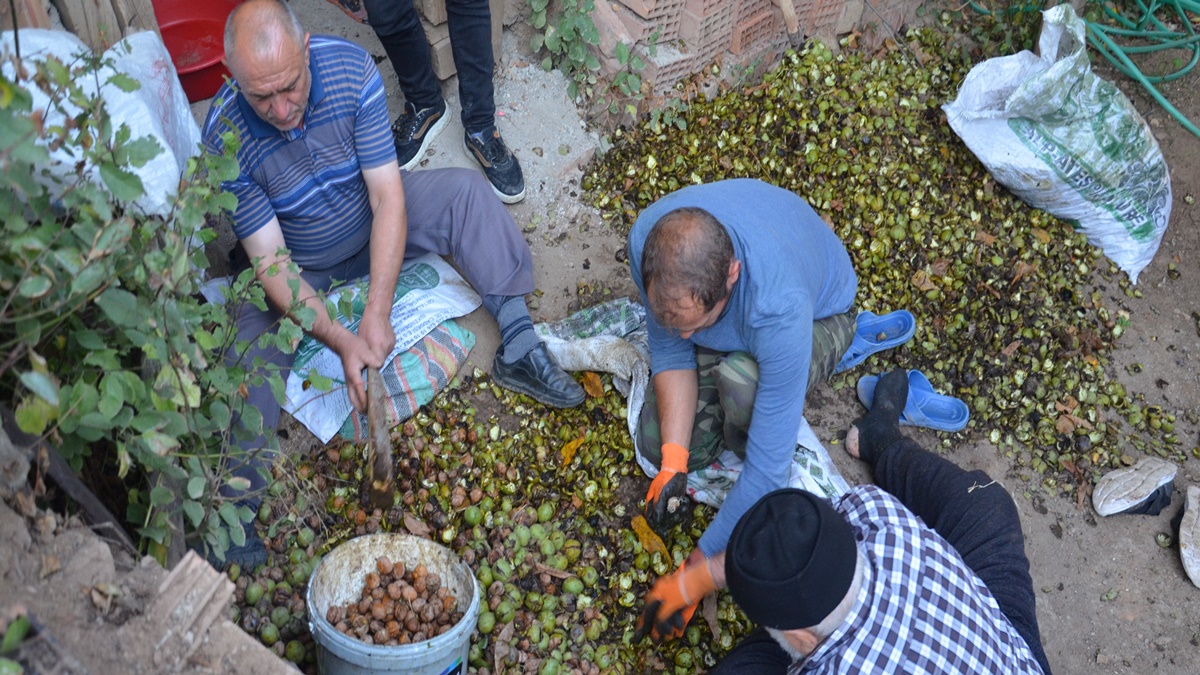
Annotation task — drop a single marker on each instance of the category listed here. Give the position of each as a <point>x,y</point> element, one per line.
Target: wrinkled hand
<point>664,499</point>
<point>356,356</point>
<point>377,331</point>
<point>673,600</point>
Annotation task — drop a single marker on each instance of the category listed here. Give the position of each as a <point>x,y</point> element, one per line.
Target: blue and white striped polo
<point>311,177</point>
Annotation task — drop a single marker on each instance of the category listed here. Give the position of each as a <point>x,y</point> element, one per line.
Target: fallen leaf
<point>1011,348</point>
<point>1065,423</point>
<point>939,267</point>
<point>557,574</point>
<point>987,239</point>
<point>592,384</point>
<point>416,526</point>
<point>1068,404</point>
<point>922,282</point>
<point>1042,235</point>
<point>1022,270</point>
<point>650,541</point>
<point>576,501</point>
<point>708,609</point>
<point>50,565</point>
<point>568,450</point>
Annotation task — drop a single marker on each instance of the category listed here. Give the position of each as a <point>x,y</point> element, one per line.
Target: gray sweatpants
<point>451,212</point>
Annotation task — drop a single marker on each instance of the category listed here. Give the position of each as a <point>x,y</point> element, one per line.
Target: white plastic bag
<point>158,109</point>
<point>1066,141</point>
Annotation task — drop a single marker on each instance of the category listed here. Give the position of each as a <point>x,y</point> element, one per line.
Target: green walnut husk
<point>1012,305</point>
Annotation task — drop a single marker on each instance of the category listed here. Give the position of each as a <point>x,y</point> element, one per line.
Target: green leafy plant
<point>567,39</point>
<point>106,345</point>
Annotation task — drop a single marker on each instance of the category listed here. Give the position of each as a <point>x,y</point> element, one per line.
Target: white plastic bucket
<point>339,579</point>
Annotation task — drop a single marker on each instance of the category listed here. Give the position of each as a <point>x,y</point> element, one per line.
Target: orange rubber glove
<point>673,600</point>
<point>670,483</point>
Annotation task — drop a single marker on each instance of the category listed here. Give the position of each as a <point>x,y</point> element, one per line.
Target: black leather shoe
<point>538,375</point>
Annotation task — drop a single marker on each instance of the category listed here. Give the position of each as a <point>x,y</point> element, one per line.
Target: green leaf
<point>161,496</point>
<point>141,150</point>
<point>229,514</point>
<point>539,19</point>
<point>592,62</point>
<point>536,42</point>
<point>41,385</point>
<point>238,483</point>
<point>124,82</point>
<point>237,534</point>
<point>124,186</point>
<point>538,5</point>
<point>34,415</point>
<point>547,64</point>
<point>120,305</point>
<point>158,443</point>
<point>89,279</point>
<point>194,512</point>
<point>195,487</point>
<point>34,286</point>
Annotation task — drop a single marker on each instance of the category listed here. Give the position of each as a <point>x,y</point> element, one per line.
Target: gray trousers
<point>451,212</point>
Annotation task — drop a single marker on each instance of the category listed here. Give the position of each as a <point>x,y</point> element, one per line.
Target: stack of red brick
<point>692,34</point>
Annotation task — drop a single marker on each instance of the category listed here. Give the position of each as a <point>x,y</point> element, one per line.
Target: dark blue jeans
<point>981,524</point>
<point>399,30</point>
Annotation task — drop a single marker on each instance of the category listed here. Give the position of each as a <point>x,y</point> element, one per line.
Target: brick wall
<point>694,34</point>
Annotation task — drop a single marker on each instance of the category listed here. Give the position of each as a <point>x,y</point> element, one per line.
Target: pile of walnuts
<point>397,606</point>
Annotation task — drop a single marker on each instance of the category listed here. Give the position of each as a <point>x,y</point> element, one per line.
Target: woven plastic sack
<point>1068,142</point>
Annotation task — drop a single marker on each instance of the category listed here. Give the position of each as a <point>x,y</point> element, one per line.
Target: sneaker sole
<point>506,198</point>
<point>428,140</point>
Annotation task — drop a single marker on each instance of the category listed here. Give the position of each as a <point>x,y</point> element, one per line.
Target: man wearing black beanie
<point>925,573</point>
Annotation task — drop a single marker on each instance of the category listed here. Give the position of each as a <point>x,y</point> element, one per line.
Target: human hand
<point>357,355</point>
<point>673,600</point>
<point>376,330</point>
<point>664,507</point>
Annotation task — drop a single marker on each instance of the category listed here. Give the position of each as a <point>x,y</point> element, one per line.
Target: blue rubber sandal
<point>876,333</point>
<point>925,407</point>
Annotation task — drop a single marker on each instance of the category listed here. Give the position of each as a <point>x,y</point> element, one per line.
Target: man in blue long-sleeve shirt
<point>750,297</point>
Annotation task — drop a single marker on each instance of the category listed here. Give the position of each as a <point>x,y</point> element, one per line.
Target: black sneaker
<point>414,130</point>
<point>499,165</point>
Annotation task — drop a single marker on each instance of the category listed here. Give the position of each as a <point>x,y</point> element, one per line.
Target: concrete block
<point>443,58</point>
<point>434,11</point>
<point>611,29</point>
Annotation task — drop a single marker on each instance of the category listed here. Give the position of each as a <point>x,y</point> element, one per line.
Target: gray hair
<point>281,16</point>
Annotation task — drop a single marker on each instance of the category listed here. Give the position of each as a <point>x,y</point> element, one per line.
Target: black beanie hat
<point>790,560</point>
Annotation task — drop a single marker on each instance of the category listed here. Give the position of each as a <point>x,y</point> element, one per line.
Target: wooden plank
<point>135,15</point>
<point>94,21</point>
<point>30,14</point>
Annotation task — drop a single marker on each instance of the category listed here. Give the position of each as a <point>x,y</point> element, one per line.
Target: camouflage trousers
<point>728,383</point>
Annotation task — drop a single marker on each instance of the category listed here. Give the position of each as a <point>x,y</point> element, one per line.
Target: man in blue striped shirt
<point>321,200</point>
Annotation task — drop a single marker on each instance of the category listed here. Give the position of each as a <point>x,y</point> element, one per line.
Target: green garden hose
<point>1142,32</point>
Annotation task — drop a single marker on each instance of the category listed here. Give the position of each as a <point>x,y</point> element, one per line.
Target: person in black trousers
<point>398,27</point>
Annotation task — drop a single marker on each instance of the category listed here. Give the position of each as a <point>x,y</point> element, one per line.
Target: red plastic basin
<point>193,33</point>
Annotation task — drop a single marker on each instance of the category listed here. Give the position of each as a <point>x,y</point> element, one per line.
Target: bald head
<point>266,50</point>
<point>259,29</point>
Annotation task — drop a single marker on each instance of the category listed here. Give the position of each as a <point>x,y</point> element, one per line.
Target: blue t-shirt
<point>794,271</point>
<point>311,178</point>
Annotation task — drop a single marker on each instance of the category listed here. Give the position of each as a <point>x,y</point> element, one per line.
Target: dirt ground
<point>1110,599</point>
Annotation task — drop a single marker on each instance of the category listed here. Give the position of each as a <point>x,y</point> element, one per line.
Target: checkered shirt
<point>920,608</point>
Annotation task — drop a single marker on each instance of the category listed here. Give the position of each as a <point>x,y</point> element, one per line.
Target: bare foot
<point>852,441</point>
